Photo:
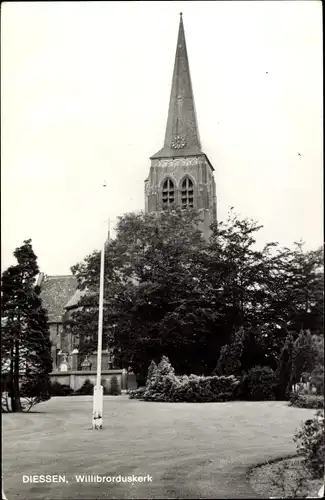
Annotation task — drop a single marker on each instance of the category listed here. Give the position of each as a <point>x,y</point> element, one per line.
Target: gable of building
<point>56,292</point>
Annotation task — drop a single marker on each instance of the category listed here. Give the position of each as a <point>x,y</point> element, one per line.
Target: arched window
<point>168,193</point>
<point>187,193</point>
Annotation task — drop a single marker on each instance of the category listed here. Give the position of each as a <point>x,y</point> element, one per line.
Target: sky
<point>85,93</point>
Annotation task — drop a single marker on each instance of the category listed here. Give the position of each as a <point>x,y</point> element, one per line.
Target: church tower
<point>180,173</point>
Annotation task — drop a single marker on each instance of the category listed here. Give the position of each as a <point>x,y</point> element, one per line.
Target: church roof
<point>76,297</point>
<point>182,133</point>
<point>56,291</point>
<point>74,300</point>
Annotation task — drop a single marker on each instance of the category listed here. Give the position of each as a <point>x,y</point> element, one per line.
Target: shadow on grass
<point>24,412</point>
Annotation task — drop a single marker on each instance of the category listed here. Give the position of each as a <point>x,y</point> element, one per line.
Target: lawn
<point>190,450</point>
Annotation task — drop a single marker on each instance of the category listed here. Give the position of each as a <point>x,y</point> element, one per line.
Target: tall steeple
<point>182,133</point>
<point>181,174</point>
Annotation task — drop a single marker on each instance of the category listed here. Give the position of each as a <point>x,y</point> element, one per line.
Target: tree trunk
<point>15,386</point>
<point>11,378</point>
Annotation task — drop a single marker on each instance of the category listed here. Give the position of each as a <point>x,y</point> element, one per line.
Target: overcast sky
<point>85,93</point>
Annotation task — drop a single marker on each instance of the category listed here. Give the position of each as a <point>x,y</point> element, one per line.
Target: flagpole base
<point>98,407</point>
<point>2,491</point>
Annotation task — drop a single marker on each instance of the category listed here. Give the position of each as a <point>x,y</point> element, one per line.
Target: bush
<point>105,390</point>
<point>160,384</point>
<point>284,368</point>
<point>303,356</point>
<point>310,444</point>
<point>317,379</point>
<point>312,401</point>
<point>87,389</point>
<point>223,388</point>
<point>34,390</point>
<point>37,387</point>
<point>141,379</point>
<point>230,356</point>
<point>166,386</point>
<point>200,389</point>
<point>258,384</point>
<point>114,389</point>
<point>137,393</point>
<point>151,371</point>
<point>57,389</point>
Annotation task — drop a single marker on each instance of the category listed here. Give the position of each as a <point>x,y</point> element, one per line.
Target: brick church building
<point>180,175</point>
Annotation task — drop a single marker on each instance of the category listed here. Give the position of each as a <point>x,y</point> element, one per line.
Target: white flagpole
<point>97,421</point>
<point>98,388</point>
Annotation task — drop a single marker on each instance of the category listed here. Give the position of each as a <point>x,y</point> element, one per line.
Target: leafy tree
<point>318,348</point>
<point>262,346</point>
<point>317,374</point>
<point>303,358</point>
<point>241,272</point>
<point>299,300</point>
<point>26,346</point>
<point>157,299</point>
<point>246,281</point>
<point>168,292</point>
<point>283,373</point>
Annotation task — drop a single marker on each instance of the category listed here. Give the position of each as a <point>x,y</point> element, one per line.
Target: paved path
<point>190,450</point>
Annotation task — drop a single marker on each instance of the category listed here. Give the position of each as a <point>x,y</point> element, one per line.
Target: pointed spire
<point>182,134</point>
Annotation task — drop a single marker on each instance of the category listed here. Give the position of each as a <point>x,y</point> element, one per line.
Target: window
<point>168,193</point>
<point>187,193</point>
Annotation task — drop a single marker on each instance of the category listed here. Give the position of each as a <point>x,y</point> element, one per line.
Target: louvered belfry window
<point>168,193</point>
<point>187,193</point>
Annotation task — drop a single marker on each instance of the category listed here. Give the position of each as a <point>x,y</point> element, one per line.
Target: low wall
<point>75,379</point>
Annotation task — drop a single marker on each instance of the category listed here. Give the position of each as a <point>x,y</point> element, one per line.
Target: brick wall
<point>75,379</point>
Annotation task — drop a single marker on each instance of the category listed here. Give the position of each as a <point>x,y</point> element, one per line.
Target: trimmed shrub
<point>87,389</point>
<point>200,389</point>
<point>230,356</point>
<point>166,386</point>
<point>258,384</point>
<point>160,384</point>
<point>311,445</point>
<point>114,389</point>
<point>293,398</point>
<point>137,393</point>
<point>312,401</point>
<point>57,389</point>
<point>223,388</point>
